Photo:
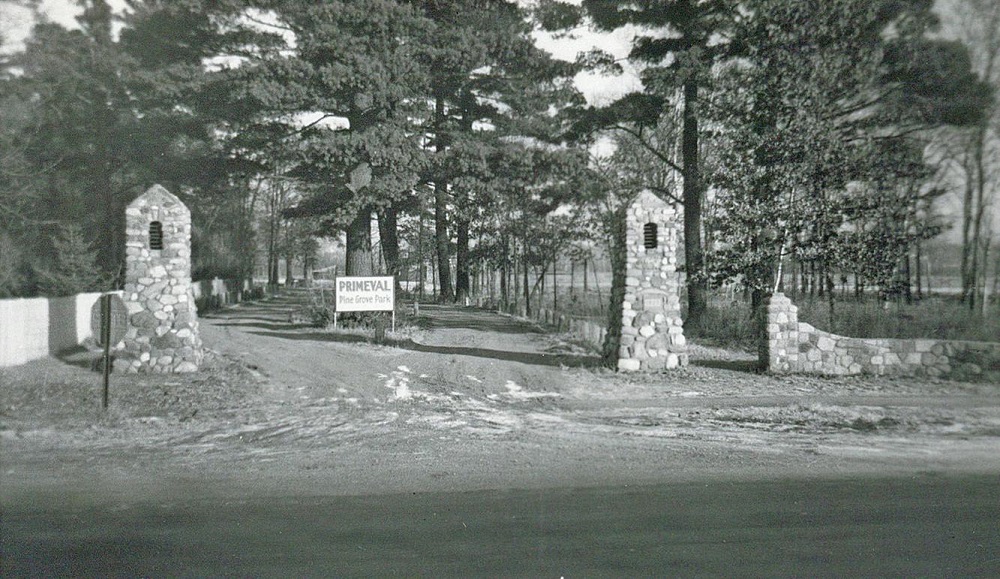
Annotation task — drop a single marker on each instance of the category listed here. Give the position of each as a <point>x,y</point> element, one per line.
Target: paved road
<point>914,527</point>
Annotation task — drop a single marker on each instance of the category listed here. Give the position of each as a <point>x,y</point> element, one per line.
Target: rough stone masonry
<point>652,335</point>
<point>789,346</point>
<point>163,321</point>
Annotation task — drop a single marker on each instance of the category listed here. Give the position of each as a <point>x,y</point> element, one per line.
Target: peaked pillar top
<point>157,195</point>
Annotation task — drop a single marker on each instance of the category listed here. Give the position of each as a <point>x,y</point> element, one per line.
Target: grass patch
<point>730,323</point>
<point>53,392</point>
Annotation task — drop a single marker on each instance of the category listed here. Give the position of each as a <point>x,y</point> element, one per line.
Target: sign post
<point>106,340</point>
<point>109,322</point>
<point>366,294</point>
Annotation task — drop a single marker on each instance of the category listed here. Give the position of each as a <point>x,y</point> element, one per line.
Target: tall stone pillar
<point>652,333</point>
<point>778,348</point>
<point>163,321</point>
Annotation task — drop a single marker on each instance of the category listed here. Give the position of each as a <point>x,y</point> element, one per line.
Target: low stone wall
<point>790,346</point>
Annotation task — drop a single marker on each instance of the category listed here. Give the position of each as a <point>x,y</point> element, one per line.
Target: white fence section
<point>34,328</point>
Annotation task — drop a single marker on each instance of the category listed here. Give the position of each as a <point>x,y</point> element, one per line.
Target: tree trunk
<point>977,220</point>
<point>443,241</point>
<point>985,302</point>
<point>462,266</point>
<point>967,248</point>
<point>527,295</point>
<point>555,295</point>
<point>359,244</point>
<point>420,249</point>
<point>462,259</point>
<point>794,266</point>
<point>389,235</point>
<point>831,299</point>
<point>692,193</point>
<point>504,271</point>
<point>908,280</point>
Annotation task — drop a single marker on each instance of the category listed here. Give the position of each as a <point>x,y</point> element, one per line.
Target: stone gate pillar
<point>163,321</point>
<point>652,335</point>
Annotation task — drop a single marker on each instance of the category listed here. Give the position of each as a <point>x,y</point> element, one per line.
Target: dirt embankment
<point>468,399</point>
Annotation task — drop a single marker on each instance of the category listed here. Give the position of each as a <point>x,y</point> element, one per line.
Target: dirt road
<point>469,400</point>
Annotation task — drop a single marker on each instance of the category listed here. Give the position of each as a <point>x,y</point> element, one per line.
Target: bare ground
<point>465,400</point>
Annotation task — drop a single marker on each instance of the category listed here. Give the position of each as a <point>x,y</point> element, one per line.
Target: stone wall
<point>652,335</point>
<point>790,346</point>
<point>163,320</point>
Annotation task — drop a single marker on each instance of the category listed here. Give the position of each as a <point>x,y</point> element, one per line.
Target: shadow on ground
<point>539,359</point>
<point>749,366</point>
<point>83,357</point>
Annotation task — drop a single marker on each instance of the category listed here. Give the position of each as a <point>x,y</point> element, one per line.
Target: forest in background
<point>815,139</point>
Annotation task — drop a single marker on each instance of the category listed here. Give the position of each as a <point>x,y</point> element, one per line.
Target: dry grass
<point>938,317</point>
<point>731,324</point>
<point>68,391</point>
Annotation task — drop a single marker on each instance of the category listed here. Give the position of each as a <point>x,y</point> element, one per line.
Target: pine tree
<point>677,46</point>
<point>74,268</point>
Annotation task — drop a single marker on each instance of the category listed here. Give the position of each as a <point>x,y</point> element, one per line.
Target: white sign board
<point>366,294</point>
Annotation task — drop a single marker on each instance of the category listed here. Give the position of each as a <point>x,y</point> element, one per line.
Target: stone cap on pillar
<point>157,195</point>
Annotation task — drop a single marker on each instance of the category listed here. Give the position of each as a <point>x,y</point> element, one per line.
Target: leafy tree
<point>819,151</point>
<point>361,62</point>
<point>73,139</point>
<point>200,92</point>
<point>976,150</point>
<point>488,82</point>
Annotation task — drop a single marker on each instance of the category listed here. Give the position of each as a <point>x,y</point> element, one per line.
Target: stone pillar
<point>163,321</point>
<point>778,349</point>
<point>652,334</point>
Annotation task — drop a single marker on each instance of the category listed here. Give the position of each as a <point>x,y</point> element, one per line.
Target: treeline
<point>786,130</point>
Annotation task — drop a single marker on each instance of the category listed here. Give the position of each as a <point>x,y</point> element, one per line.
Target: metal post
<point>106,340</point>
